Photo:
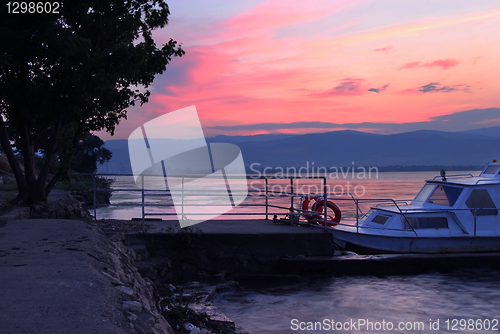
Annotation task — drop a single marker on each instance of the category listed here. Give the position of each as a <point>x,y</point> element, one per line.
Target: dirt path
<point>58,276</point>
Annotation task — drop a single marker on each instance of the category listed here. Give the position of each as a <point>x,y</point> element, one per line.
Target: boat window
<point>424,193</point>
<point>380,219</point>
<point>426,222</point>
<point>491,169</point>
<point>481,203</point>
<point>445,195</point>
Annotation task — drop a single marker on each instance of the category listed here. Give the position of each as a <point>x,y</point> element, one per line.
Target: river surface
<point>462,302</point>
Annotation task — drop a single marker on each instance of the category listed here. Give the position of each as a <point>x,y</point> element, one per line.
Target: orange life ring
<point>318,206</point>
<point>309,205</point>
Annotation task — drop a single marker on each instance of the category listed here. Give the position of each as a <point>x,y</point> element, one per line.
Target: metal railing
<point>268,199</point>
<point>294,211</point>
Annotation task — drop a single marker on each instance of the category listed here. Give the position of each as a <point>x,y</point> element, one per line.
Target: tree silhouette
<point>66,74</point>
<point>89,154</point>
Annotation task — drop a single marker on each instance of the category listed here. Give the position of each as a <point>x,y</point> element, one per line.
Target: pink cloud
<point>443,63</point>
<point>385,49</point>
<point>279,13</point>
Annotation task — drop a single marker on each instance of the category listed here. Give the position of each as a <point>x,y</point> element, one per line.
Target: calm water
<point>412,301</point>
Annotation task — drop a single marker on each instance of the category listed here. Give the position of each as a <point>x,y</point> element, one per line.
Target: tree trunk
<point>14,163</point>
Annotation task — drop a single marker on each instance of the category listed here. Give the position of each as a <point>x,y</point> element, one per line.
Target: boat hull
<point>362,243</point>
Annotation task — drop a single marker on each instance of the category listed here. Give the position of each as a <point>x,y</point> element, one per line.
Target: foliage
<point>68,74</point>
<point>90,153</point>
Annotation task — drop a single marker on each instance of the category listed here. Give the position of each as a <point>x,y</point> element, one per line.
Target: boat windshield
<point>491,169</point>
<point>424,193</point>
<point>445,195</point>
<point>440,194</point>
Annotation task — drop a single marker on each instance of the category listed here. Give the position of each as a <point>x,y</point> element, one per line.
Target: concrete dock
<point>239,248</point>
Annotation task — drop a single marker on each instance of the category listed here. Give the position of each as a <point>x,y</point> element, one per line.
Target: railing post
<point>475,215</point>
<point>95,198</point>
<point>325,204</point>
<point>267,199</point>
<point>404,216</point>
<point>142,195</point>
<point>292,216</point>
<point>182,197</point>
<point>357,215</point>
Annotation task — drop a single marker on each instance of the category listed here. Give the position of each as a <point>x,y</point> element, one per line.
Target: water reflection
<point>472,294</point>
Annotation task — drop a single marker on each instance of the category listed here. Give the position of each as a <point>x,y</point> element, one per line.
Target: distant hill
<point>342,148</point>
<point>120,162</point>
<point>493,131</point>
<point>242,139</point>
<point>402,151</point>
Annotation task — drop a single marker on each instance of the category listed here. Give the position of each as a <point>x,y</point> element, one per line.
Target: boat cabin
<point>456,205</point>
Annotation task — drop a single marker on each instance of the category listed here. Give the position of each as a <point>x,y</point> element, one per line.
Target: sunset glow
<point>340,62</point>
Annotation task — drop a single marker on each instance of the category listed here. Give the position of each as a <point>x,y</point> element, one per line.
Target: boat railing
<point>453,176</point>
<point>488,181</point>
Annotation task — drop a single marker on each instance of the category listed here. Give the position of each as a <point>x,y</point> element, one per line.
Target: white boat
<point>451,214</point>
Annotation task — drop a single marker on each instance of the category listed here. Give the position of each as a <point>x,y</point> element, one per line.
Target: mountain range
<point>417,150</point>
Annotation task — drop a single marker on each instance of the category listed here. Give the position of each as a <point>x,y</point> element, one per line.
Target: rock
<point>141,252</point>
<point>132,305</point>
<point>87,197</point>
<point>349,253</point>
<point>193,284</point>
<point>65,208</point>
<point>117,237</point>
<point>125,290</point>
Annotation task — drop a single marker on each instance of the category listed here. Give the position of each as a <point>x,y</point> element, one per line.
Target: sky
<point>277,66</point>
